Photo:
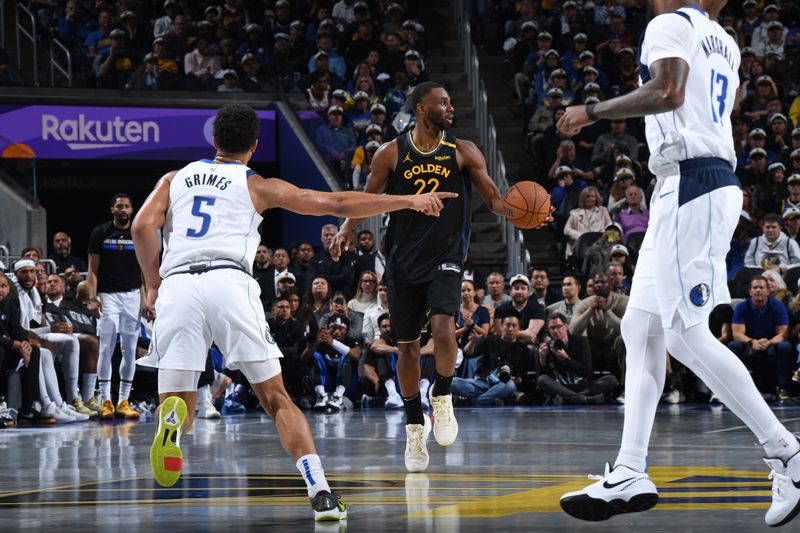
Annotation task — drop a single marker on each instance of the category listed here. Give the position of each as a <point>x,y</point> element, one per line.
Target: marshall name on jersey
<point>420,246</point>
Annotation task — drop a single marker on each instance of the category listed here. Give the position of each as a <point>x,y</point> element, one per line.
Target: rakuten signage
<point>67,132</point>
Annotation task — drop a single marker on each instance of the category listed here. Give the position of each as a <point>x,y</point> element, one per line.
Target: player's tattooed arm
<point>664,92</point>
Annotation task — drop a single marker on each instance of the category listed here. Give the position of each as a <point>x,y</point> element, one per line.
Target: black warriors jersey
<point>418,246</point>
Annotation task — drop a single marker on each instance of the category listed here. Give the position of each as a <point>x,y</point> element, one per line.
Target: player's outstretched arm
<point>273,192</point>
<point>148,221</point>
<point>665,92</point>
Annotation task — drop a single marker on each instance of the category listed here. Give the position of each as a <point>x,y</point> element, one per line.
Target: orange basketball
<point>527,204</point>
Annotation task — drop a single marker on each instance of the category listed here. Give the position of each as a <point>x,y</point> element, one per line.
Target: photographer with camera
<point>565,367</point>
<point>504,364</point>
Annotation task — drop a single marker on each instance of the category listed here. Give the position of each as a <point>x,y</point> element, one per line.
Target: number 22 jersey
<point>419,246</point>
<point>210,217</point>
<point>701,127</point>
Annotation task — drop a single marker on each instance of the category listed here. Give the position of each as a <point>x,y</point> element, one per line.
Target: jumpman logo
<point>407,158</point>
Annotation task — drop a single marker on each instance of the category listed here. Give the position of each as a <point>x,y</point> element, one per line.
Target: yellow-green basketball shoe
<point>166,457</point>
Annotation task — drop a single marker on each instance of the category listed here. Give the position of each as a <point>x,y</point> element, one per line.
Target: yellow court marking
<point>546,499</point>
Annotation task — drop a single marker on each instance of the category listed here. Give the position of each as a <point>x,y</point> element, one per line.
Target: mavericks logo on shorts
<point>268,335</point>
<point>699,294</point>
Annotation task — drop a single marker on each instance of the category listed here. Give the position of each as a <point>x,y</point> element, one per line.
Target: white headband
<point>24,263</point>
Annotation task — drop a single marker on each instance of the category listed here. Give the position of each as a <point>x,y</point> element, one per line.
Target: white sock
<point>645,372</point>
<point>726,375</point>
<point>390,388</point>
<point>320,390</point>
<point>339,391</point>
<point>89,384</point>
<point>782,444</point>
<point>203,394</point>
<point>105,390</point>
<point>310,468</point>
<point>124,390</point>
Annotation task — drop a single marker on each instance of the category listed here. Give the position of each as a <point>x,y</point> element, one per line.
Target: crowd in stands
<point>354,62</point>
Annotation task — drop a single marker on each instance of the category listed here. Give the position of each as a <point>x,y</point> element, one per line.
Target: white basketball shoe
<point>416,456</point>
<point>785,490</point>
<point>445,426</point>
<point>620,490</point>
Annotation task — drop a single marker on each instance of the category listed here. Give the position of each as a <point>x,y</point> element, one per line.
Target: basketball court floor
<point>504,474</point>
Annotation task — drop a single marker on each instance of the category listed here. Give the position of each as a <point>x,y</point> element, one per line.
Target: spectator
<point>589,216</point>
<point>598,318</point>
<point>137,39</point>
<point>495,295</point>
<point>378,367</point>
<point>617,281</point>
<point>262,265</point>
<point>201,63</point>
<point>565,367</point>
<point>368,257</point>
<point>180,41</point>
<point>564,196</point>
<point>570,289</point>
<point>371,328</point>
<point>415,68</point>
<point>607,144</point>
<point>528,310</point>
<point>504,363</point>
<point>318,91</point>
<point>542,291</point>
<point>472,316</point>
<point>776,287</point>
<point>359,114</point>
<point>791,222</point>
<point>338,273</point>
<point>760,324</point>
<point>268,278</point>
<point>756,172</point>
<point>62,254</point>
<point>15,349</point>
<point>773,249</point>
<point>336,140</point>
<point>770,194</point>
<point>336,62</point>
<point>166,24</point>
<point>290,336</point>
<point>567,156</point>
<point>775,41</point>
<point>305,254</point>
<point>336,356</point>
<point>599,253</point>
<point>230,82</point>
<point>165,61</point>
<point>150,76</point>
<point>339,307</point>
<point>366,297</point>
<point>623,178</point>
<point>72,319</point>
<point>634,217</point>
<point>100,39</point>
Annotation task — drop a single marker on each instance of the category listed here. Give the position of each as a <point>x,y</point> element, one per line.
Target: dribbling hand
<point>431,203</point>
<point>573,120</point>
<point>341,242</point>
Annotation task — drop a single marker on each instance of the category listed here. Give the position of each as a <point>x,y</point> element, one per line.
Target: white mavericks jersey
<point>210,216</point>
<point>701,127</point>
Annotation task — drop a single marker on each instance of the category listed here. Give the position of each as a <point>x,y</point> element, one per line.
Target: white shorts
<point>681,265</point>
<point>121,312</point>
<point>222,305</point>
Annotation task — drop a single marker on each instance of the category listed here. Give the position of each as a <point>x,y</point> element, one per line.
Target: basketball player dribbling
<point>209,213</point>
<point>689,77</point>
<point>425,256</point>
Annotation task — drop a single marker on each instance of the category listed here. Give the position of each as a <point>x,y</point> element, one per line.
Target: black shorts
<point>410,305</point>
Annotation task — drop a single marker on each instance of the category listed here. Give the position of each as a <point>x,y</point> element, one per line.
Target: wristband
<point>590,112</point>
<point>94,299</point>
<point>340,347</point>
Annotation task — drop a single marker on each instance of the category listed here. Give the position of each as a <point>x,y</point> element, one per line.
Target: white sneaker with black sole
<point>785,490</point>
<point>620,490</point>
<point>416,455</point>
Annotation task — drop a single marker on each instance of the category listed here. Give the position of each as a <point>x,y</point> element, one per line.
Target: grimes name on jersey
<point>711,44</point>
<point>211,180</point>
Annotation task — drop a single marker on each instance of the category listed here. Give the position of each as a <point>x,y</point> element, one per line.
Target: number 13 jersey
<point>210,216</point>
<point>701,127</point>
<point>418,246</point>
